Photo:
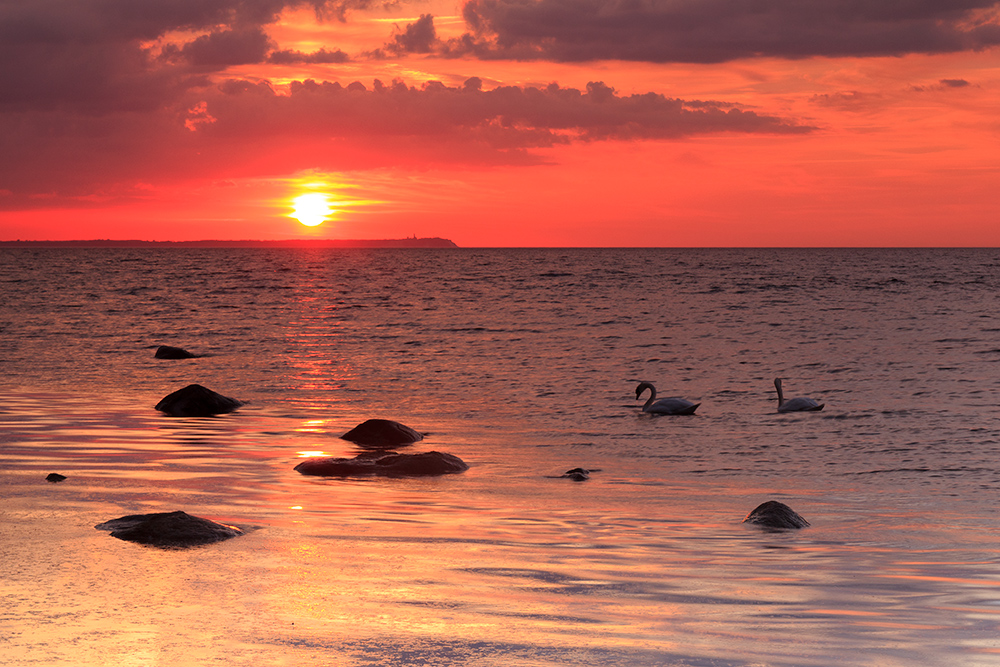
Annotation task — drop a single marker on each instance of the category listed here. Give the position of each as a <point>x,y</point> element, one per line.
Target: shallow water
<point>524,364</point>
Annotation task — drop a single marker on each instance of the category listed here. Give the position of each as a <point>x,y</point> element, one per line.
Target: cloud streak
<point>597,113</point>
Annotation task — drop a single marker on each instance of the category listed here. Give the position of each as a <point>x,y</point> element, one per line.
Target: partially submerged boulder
<point>168,529</point>
<point>389,464</point>
<point>54,477</point>
<point>575,474</point>
<point>196,401</point>
<point>170,352</point>
<point>382,433</point>
<point>773,515</point>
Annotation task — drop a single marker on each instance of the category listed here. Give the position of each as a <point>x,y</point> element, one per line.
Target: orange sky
<point>504,122</point>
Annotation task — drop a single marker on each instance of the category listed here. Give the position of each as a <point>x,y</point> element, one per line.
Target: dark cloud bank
<point>529,116</point>
<point>713,31</point>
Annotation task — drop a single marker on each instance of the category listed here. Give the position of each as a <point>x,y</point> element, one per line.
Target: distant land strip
<point>293,243</point>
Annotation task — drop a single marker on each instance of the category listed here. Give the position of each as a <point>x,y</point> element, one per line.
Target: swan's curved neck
<point>781,397</point>
<point>652,395</point>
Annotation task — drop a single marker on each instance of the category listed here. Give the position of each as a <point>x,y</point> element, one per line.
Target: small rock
<point>391,464</point>
<point>54,477</point>
<point>168,352</point>
<point>775,516</point>
<point>168,529</point>
<point>196,401</point>
<point>576,474</point>
<point>382,433</point>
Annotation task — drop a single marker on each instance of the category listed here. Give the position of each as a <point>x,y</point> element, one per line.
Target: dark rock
<point>425,464</point>
<point>576,474</point>
<point>54,477</point>
<point>168,529</point>
<point>196,401</point>
<point>390,464</point>
<point>168,352</point>
<point>775,516</point>
<point>382,433</point>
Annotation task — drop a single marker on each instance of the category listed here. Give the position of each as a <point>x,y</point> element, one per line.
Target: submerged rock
<point>54,477</point>
<point>390,464</point>
<point>168,529</point>
<point>775,516</point>
<point>169,352</point>
<point>196,401</point>
<point>576,474</point>
<point>382,433</point>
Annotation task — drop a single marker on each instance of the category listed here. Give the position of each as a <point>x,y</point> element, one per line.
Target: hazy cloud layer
<point>228,130</point>
<point>712,31</point>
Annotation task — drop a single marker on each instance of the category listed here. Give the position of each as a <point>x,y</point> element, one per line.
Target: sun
<point>311,209</point>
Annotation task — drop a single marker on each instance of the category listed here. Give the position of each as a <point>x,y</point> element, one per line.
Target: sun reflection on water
<point>312,426</point>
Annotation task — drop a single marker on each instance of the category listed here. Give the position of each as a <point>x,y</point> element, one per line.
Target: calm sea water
<point>523,363</point>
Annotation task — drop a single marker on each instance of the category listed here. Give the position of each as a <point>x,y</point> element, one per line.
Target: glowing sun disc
<point>311,209</point>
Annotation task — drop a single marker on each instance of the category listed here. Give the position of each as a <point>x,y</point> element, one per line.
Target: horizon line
<point>434,242</point>
<point>425,242</point>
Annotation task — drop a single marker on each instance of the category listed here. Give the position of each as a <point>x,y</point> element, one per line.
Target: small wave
<point>847,417</point>
<point>881,471</point>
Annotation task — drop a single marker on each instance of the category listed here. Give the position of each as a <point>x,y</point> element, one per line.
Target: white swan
<point>800,404</point>
<point>664,406</point>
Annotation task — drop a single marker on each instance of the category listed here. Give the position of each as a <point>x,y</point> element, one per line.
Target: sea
<point>524,363</point>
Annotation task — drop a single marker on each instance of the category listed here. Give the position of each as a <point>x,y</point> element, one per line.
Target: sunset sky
<point>503,122</point>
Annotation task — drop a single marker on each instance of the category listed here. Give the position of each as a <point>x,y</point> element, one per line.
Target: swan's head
<point>643,386</point>
<point>777,383</point>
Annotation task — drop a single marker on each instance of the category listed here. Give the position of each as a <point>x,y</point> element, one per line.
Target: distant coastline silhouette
<point>414,242</point>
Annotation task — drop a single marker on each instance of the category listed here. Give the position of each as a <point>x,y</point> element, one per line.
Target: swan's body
<point>664,406</point>
<point>800,404</point>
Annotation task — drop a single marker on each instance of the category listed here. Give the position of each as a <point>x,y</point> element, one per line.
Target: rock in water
<point>54,477</point>
<point>382,433</point>
<point>775,516</point>
<point>168,529</point>
<point>168,352</point>
<point>196,401</point>
<point>387,465</point>
<point>420,465</point>
<point>575,474</point>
